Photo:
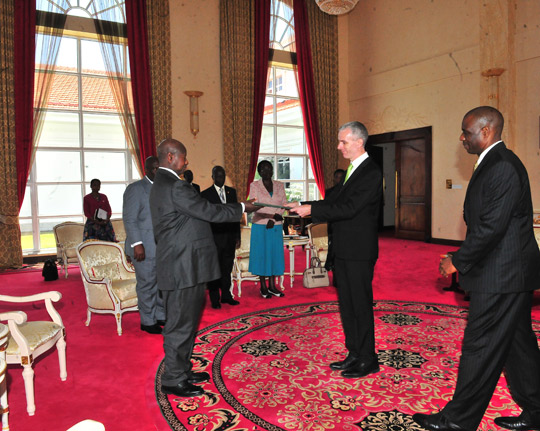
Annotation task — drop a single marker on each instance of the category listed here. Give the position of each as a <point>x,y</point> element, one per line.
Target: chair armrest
<point>14,319</point>
<point>48,297</point>
<point>19,317</point>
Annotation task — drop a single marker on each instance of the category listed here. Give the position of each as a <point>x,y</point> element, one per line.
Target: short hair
<point>149,162</point>
<point>95,180</point>
<point>488,115</point>
<point>169,145</point>
<point>263,162</point>
<point>358,130</point>
<point>217,168</point>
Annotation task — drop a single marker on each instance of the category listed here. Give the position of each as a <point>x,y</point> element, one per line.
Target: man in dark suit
<point>186,260</point>
<point>353,210</point>
<point>226,237</point>
<point>188,176</point>
<point>141,247</point>
<point>498,264</point>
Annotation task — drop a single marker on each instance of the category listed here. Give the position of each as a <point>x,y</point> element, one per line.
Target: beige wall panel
<point>195,66</point>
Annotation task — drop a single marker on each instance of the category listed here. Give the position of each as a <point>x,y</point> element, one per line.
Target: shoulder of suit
<point>231,189</point>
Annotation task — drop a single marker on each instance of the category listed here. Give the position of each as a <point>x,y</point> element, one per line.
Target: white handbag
<point>316,275</point>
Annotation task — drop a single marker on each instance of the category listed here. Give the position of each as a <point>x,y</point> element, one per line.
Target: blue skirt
<point>266,255</point>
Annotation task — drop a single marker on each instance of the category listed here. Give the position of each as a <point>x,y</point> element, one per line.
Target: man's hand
<point>446,267</point>
<point>138,252</point>
<point>270,224</point>
<point>302,210</point>
<point>249,207</point>
<point>292,204</point>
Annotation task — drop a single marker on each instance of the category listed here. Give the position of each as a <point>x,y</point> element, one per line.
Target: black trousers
<point>183,309</point>
<point>355,296</point>
<point>223,284</point>
<point>498,336</point>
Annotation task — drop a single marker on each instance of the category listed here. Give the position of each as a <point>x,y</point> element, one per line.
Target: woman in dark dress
<point>98,223</point>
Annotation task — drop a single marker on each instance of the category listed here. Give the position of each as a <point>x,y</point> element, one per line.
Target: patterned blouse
<point>258,191</point>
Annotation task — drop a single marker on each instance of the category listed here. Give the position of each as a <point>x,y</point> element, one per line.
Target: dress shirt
<point>219,191</point>
<point>356,162</point>
<point>483,154</point>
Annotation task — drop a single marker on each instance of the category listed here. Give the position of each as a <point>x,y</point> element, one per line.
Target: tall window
<point>82,137</point>
<point>283,141</point>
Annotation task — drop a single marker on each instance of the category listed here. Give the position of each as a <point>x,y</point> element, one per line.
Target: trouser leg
<point>148,296</point>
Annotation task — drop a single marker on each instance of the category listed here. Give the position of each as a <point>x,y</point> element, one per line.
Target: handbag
<point>315,275</point>
<point>49,271</point>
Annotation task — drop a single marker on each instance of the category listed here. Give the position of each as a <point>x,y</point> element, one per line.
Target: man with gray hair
<point>353,210</point>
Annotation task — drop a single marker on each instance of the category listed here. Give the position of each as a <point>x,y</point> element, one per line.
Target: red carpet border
<point>270,371</point>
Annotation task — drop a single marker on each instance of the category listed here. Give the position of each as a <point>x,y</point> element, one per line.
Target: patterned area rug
<point>270,371</point>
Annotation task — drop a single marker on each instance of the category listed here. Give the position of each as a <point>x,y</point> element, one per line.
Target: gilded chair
<point>68,236</point>
<point>240,270</point>
<point>4,407</point>
<point>29,339</point>
<point>318,240</point>
<point>119,229</point>
<point>109,280</point>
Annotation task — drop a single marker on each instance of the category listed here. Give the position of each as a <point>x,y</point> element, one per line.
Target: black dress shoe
<point>361,369</point>
<point>521,422</point>
<point>151,329</point>
<point>230,301</point>
<point>436,422</point>
<point>216,305</point>
<point>183,389</point>
<point>198,377</point>
<point>345,364</point>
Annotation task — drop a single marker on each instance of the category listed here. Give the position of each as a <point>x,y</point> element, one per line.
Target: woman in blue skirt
<point>266,257</point>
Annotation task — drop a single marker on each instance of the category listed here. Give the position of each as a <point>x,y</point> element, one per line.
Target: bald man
<point>186,259</point>
<point>498,265</point>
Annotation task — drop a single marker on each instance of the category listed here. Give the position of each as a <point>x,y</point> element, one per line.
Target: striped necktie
<point>222,196</point>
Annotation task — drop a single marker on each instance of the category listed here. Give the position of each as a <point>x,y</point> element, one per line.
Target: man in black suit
<point>227,238</point>
<point>353,210</point>
<point>498,264</point>
<point>186,260</point>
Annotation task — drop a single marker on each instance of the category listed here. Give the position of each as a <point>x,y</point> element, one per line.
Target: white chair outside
<point>68,236</point>
<point>29,339</point>
<point>109,280</point>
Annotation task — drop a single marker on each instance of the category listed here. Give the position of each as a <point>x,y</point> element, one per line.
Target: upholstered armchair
<point>68,236</point>
<point>119,229</point>
<point>241,262</point>
<point>318,240</point>
<point>109,280</point>
<point>29,339</point>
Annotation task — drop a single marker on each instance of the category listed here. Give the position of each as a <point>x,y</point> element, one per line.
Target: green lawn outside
<point>46,238</point>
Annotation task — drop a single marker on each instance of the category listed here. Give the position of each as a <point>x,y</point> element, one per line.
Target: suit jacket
<point>185,252</point>
<point>353,210</point>
<point>225,234</point>
<point>500,253</point>
<point>137,218</point>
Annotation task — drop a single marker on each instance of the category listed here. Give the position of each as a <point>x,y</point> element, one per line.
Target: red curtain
<point>306,89</point>
<point>262,50</point>
<point>139,63</point>
<point>25,48</point>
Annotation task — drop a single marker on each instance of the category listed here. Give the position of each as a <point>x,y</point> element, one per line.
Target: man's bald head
<point>488,116</point>
<point>172,154</point>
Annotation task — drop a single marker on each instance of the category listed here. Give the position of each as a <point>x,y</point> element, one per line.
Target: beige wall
<point>416,63</point>
<point>195,66</point>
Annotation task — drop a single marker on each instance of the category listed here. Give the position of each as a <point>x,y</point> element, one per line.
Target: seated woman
<point>98,215</point>
<point>266,257</point>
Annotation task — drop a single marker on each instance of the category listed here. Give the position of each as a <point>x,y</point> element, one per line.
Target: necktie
<point>475,166</point>
<point>349,169</point>
<point>222,196</point>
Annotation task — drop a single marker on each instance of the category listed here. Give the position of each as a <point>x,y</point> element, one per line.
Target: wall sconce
<point>194,110</point>
<point>492,76</point>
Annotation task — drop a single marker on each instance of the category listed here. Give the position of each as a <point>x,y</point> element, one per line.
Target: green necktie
<point>349,169</point>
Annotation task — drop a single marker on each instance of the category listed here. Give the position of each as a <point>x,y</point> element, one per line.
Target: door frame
<point>424,133</point>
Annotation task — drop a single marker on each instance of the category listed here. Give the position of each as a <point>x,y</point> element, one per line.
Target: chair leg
<point>119,323</point>
<point>61,347</point>
<point>239,286</point>
<point>66,269</point>
<point>4,408</point>
<point>88,317</point>
<point>28,376</point>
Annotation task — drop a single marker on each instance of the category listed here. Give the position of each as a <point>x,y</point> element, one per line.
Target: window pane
<point>313,193</point>
<point>26,208</point>
<point>290,140</point>
<point>310,172</point>
<point>115,194</point>
<point>290,168</point>
<point>267,140</point>
<point>103,131</point>
<point>91,58</point>
<point>67,55</point>
<point>294,191</point>
<point>286,83</point>
<point>58,199</point>
<point>107,166</point>
<point>27,236</point>
<point>97,95</point>
<point>58,166</point>
<point>60,129</point>
<point>42,55</point>
<point>268,117</point>
<point>64,92</point>
<point>289,112</point>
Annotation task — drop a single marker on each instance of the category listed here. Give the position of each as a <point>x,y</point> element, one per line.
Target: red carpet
<point>111,378</point>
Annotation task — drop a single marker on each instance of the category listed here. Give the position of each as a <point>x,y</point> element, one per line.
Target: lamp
<point>194,110</point>
<point>336,7</point>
